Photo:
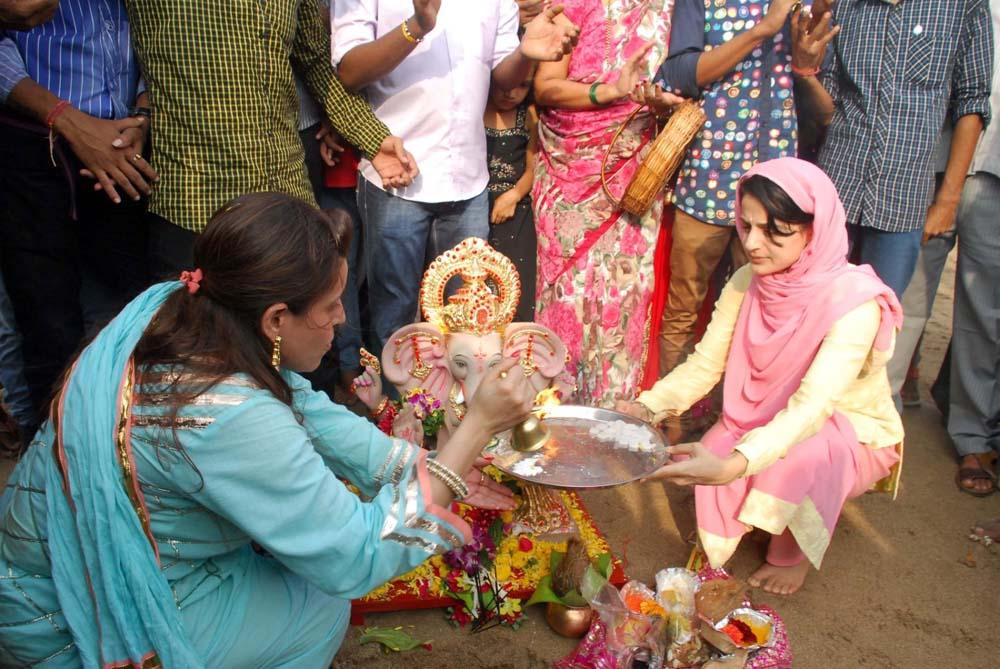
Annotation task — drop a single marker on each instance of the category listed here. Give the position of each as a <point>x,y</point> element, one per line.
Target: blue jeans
<point>401,238</point>
<point>893,255</point>
<point>16,395</point>
<point>350,336</point>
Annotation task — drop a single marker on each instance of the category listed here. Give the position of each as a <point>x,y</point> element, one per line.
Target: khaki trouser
<point>694,255</point>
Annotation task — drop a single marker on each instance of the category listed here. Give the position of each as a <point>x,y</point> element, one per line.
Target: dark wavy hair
<point>257,251</point>
<point>777,203</point>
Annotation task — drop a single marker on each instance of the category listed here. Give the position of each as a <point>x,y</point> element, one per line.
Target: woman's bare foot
<point>780,580</point>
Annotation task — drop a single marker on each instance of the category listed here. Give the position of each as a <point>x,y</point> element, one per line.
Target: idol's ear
<point>414,357</point>
<point>539,350</point>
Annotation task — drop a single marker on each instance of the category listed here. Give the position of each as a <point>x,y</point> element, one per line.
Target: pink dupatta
<point>785,316</point>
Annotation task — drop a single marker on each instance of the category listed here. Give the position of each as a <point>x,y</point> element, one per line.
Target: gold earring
<point>276,353</point>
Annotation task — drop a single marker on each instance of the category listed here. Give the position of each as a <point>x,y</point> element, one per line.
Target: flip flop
<point>981,473</point>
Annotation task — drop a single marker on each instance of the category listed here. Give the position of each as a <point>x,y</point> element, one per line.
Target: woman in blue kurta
<point>126,530</point>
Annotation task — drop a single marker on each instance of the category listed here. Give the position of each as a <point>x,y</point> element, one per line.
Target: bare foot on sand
<point>780,580</point>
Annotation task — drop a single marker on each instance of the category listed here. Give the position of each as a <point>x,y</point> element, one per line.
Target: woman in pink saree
<point>808,419</point>
<point>595,262</point>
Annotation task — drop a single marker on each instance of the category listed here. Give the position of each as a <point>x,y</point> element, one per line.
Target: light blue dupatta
<point>118,604</point>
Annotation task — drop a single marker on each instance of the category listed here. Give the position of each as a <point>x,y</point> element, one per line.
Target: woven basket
<point>664,157</point>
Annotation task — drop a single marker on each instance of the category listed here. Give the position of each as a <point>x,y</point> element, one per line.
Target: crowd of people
<point>299,164</point>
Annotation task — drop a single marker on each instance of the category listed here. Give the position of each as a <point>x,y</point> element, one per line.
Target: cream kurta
<point>847,375</point>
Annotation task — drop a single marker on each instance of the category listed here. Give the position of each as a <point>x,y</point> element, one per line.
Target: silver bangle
<point>449,478</point>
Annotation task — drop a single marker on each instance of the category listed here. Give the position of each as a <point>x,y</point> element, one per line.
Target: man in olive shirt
<point>225,109</point>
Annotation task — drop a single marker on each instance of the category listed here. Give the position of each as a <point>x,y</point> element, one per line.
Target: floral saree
<point>595,262</point>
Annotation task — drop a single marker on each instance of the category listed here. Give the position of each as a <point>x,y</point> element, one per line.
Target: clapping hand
<point>658,100</point>
<point>529,9</point>
<point>809,46</point>
<point>631,74</point>
<point>547,38</point>
<point>394,164</point>
<point>425,12</point>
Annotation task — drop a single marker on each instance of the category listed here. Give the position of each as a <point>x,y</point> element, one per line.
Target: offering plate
<point>573,457</point>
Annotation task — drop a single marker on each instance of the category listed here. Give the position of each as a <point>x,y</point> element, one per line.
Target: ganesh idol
<point>436,366</point>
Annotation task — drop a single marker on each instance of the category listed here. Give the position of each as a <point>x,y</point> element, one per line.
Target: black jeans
<point>71,258</point>
<point>171,248</point>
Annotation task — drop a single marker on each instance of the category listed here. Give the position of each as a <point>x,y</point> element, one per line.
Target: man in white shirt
<point>426,67</point>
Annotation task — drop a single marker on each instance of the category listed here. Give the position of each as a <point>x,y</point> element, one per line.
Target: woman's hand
<point>484,492</point>
<point>658,100</point>
<point>408,425</point>
<point>504,207</point>
<point>503,399</point>
<point>700,466</point>
<point>809,47</point>
<point>368,388</point>
<point>394,164</point>
<point>631,74</point>
<point>635,409</point>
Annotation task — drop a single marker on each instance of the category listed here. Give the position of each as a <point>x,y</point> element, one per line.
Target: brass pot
<point>568,621</point>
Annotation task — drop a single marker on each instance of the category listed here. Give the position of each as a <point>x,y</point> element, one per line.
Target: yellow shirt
<point>847,375</point>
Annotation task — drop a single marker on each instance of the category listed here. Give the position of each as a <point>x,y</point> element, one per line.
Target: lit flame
<point>547,398</point>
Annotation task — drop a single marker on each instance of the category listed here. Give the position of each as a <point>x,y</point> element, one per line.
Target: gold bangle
<point>380,409</point>
<point>407,35</point>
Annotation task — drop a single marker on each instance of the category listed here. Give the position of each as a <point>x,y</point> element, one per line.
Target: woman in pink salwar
<point>595,262</point>
<point>808,419</point>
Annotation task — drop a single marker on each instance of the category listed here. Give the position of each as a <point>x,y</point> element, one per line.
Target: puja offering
<point>682,624</point>
<point>586,448</point>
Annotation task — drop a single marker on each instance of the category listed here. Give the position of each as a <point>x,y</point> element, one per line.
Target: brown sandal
<point>984,472</point>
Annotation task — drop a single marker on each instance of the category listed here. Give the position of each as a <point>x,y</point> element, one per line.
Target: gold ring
<point>482,477</point>
<point>137,157</point>
<point>503,374</point>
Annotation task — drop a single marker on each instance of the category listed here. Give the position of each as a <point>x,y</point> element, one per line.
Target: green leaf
<point>394,639</point>
<point>603,565</point>
<point>465,596</point>
<point>544,593</point>
<point>496,531</point>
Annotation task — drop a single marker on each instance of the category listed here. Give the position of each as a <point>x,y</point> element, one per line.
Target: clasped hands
<point>691,463</point>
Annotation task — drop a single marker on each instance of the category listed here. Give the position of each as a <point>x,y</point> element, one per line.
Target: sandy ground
<point>893,592</point>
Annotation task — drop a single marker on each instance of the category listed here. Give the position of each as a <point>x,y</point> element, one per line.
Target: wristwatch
<point>141,111</point>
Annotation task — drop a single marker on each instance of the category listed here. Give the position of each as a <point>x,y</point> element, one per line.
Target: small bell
<point>529,436</point>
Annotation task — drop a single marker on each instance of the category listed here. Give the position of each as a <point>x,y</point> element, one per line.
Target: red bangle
<point>56,111</point>
<point>805,72</point>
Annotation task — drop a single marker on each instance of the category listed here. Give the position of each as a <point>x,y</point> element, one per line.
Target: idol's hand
<point>484,492</point>
<point>548,39</point>
<point>368,388</point>
<point>700,466</point>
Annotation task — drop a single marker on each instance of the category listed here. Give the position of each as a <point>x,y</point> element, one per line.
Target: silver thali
<point>575,457</point>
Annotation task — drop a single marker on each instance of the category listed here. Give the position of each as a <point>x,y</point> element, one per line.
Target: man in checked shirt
<point>897,67</point>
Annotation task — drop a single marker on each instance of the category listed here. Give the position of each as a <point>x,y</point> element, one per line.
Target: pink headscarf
<point>786,315</point>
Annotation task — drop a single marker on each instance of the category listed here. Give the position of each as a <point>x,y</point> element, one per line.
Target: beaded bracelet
<point>449,478</point>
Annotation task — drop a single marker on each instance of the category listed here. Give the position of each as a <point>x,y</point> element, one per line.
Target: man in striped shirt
<point>70,95</point>
<point>896,69</point>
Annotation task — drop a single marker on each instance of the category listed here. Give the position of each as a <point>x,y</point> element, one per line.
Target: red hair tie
<point>192,280</point>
